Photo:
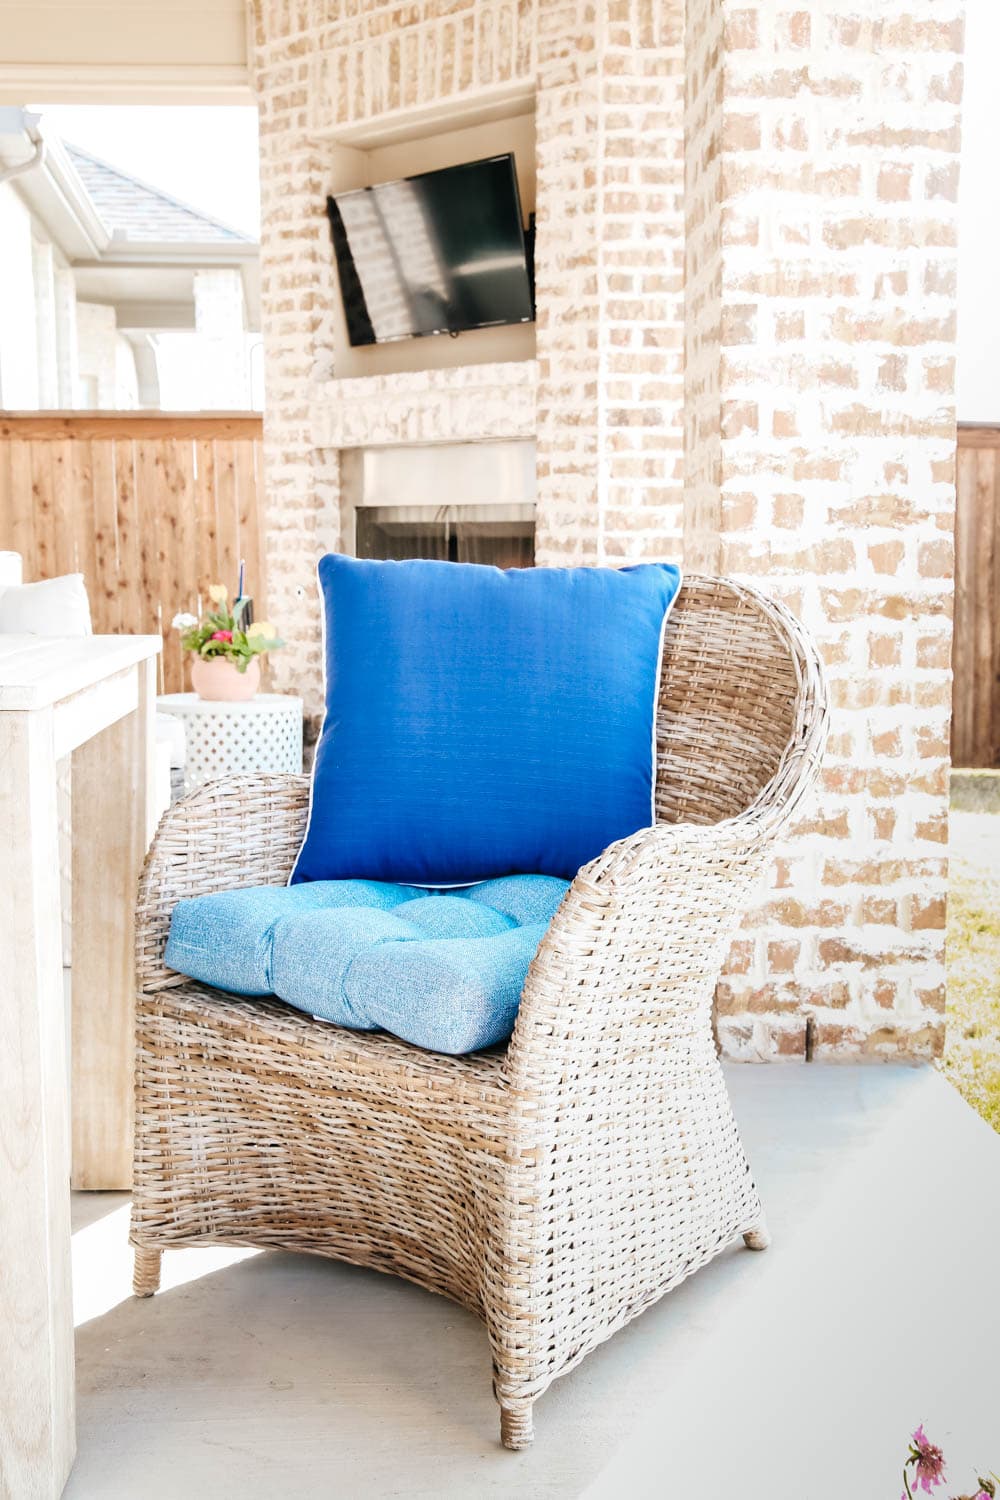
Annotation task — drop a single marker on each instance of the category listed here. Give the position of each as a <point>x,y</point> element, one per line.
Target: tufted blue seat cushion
<point>444,970</point>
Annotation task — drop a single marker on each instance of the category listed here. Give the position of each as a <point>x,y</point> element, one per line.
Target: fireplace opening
<point>502,536</point>
<point>456,502</point>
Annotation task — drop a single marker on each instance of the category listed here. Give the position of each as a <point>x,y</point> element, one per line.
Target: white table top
<point>36,671</point>
<point>190,703</point>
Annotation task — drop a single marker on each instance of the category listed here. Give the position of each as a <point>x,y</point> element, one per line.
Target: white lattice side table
<point>223,739</point>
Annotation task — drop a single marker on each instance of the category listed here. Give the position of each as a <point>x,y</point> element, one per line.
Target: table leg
<point>112,802</point>
<point>37,1436</point>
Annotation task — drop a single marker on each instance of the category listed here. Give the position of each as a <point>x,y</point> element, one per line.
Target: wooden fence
<point>150,507</point>
<point>975,728</point>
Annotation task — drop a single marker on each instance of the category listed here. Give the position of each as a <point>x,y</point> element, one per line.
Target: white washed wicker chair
<point>556,1186</point>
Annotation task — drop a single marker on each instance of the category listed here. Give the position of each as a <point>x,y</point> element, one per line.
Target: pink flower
<point>221,635</point>
<point>928,1461</point>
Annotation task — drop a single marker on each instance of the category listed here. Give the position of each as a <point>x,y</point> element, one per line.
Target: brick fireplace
<point>743,355</point>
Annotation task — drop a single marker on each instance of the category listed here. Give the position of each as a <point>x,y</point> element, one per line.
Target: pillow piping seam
<point>322,727</point>
<point>656,689</point>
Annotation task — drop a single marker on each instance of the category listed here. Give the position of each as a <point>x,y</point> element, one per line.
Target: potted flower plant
<point>226,662</point>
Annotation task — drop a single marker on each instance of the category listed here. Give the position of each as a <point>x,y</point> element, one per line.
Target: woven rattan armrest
<point>227,835</point>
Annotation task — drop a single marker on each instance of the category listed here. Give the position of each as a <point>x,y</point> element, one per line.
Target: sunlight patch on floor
<point>102,1265</point>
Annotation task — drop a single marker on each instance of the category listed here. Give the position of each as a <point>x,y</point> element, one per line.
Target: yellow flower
<point>261,630</point>
<point>218,593</point>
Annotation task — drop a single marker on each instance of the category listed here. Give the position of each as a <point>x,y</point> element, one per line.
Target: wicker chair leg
<point>146,1276</point>
<point>758,1238</point>
<point>516,1428</point>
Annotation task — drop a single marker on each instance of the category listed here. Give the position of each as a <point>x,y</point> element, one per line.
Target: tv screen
<point>438,253</point>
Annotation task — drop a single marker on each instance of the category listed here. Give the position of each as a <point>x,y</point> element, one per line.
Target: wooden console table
<point>91,698</point>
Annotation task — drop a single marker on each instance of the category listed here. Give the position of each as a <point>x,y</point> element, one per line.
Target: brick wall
<point>641,329</point>
<point>607,82</point>
<point>371,59</point>
<point>301,482</point>
<point>821,203</point>
<point>748,342</point>
<point>703,284</point>
<point>609,280</point>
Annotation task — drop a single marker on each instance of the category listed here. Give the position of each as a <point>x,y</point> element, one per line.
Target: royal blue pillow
<point>482,723</point>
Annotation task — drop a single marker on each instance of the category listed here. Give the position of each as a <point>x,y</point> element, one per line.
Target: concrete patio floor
<point>793,1375</point>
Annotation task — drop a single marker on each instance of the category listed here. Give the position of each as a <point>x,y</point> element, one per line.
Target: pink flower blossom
<point>928,1459</point>
<point>222,635</point>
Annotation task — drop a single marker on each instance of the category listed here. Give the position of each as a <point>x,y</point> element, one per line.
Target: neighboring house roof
<point>130,245</point>
<point>142,212</point>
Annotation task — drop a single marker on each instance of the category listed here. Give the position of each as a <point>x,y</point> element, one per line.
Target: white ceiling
<point>124,51</point>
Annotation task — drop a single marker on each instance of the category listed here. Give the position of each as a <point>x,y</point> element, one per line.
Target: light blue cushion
<point>482,722</point>
<point>444,970</point>
<point>225,939</point>
<point>452,995</point>
<point>314,954</point>
<point>453,916</point>
<point>522,898</point>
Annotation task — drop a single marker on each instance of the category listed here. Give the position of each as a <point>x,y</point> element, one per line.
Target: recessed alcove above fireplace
<point>353,166</point>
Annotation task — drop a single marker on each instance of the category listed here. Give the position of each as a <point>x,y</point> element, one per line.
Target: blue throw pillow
<point>481,723</point>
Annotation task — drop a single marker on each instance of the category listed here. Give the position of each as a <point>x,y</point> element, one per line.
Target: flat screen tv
<point>442,252</point>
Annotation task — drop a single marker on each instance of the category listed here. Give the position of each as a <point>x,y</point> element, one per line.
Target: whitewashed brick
<point>747,355</point>
<point>821,234</point>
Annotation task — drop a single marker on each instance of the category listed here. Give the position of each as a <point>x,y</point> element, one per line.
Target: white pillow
<point>10,569</point>
<point>54,606</point>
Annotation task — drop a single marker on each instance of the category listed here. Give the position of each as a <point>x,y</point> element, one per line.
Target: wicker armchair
<point>560,1185</point>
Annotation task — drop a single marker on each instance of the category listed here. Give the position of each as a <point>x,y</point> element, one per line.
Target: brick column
<point>821,184</point>
<point>297,291</point>
<point>609,280</point>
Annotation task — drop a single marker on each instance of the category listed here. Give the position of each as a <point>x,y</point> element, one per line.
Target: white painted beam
<point>124,51</point>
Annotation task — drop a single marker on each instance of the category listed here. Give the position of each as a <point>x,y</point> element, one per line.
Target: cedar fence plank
<point>227,515</point>
<point>963,688</point>
<point>18,533</point>
<point>976,647</point>
<point>151,507</point>
<point>104,596</point>
<point>127,515</point>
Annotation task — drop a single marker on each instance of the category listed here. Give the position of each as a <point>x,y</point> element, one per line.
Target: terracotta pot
<point>220,682</point>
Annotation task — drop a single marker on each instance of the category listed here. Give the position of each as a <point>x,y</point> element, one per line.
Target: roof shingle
<point>145,213</point>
